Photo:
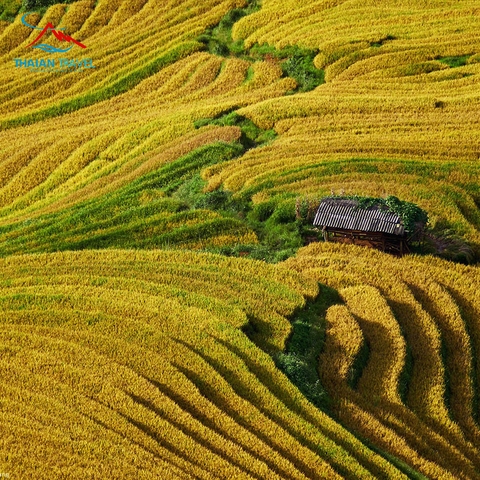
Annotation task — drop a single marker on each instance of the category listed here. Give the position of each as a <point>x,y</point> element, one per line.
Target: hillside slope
<point>129,364</point>
<point>127,350</point>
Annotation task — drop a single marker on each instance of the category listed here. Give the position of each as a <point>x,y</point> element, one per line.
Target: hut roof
<point>345,214</point>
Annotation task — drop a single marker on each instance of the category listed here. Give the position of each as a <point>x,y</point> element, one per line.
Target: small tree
<point>305,209</point>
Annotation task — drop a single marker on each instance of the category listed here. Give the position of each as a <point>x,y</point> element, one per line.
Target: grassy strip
<point>171,237</point>
<point>128,210</point>
<point>299,362</point>
<point>218,40</point>
<point>454,62</point>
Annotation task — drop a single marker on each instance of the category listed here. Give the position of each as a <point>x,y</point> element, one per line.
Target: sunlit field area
<point>167,308</point>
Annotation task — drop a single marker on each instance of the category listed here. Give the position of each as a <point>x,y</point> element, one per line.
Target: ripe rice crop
<point>402,284</point>
<point>94,360</point>
<point>122,360</point>
<point>402,87</point>
<point>385,340</point>
<point>344,342</point>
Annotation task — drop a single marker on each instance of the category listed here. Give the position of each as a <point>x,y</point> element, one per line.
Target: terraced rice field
<point>126,350</point>
<point>128,117</point>
<point>398,113</point>
<point>416,390</point>
<point>134,364</point>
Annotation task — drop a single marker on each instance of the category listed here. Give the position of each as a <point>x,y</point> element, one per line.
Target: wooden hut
<point>344,220</point>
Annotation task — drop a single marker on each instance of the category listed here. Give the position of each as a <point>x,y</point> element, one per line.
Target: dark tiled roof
<point>345,214</point>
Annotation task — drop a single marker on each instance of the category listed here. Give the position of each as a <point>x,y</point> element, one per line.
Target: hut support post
<point>325,234</point>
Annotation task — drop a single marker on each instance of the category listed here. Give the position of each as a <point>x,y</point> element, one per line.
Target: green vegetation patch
<point>453,62</point>
<point>218,40</point>
<point>299,362</point>
<point>9,9</point>
<point>142,214</point>
<point>296,62</point>
<point>279,233</point>
<point>252,136</point>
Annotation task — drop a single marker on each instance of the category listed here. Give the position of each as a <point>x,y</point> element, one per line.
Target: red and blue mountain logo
<point>57,33</point>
